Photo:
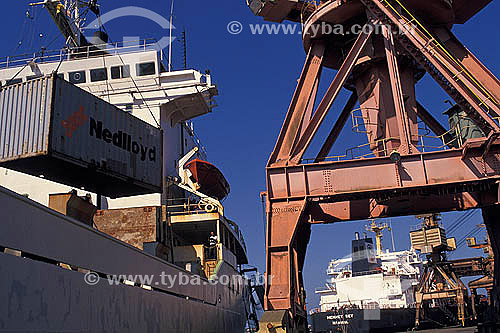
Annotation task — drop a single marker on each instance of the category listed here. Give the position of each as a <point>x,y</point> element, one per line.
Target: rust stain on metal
<point>134,226</point>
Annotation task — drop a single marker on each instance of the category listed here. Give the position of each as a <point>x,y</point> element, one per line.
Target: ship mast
<point>377,229</point>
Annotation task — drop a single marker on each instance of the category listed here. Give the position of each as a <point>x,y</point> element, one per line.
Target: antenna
<point>392,236</point>
<point>184,45</point>
<point>170,37</point>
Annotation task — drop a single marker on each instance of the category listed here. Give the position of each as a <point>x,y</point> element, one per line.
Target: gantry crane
<point>439,280</point>
<point>399,42</point>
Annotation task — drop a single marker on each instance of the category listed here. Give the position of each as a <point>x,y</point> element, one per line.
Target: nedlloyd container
<point>53,129</point>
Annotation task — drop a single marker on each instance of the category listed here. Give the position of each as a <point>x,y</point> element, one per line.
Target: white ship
<point>369,290</point>
<point>389,286</point>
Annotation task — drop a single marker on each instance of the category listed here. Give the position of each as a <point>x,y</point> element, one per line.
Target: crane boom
<point>65,18</point>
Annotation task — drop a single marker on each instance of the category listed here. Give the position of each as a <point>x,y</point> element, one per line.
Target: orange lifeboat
<point>210,179</point>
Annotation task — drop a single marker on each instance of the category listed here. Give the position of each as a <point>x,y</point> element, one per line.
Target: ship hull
<point>375,320</point>
<point>44,260</point>
<point>358,320</point>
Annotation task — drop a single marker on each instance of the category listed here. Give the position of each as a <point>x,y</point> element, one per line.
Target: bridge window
<point>120,72</point>
<point>147,68</point>
<point>98,74</point>
<point>77,77</point>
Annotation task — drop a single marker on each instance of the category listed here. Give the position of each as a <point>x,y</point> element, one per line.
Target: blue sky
<point>256,75</point>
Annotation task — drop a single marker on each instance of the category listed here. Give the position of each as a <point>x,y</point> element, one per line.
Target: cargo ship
<point>376,290</point>
<point>373,290</point>
<point>369,291</point>
<point>111,215</point>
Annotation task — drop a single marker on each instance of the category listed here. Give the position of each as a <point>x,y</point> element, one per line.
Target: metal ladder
<point>448,72</point>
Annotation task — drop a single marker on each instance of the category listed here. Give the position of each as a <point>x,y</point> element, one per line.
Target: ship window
<point>33,77</point>
<point>147,68</point>
<point>77,77</point>
<point>98,74</point>
<point>120,72</point>
<point>11,82</point>
<point>233,245</point>
<point>226,238</point>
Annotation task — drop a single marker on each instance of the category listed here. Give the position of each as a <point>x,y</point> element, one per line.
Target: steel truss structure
<point>380,68</point>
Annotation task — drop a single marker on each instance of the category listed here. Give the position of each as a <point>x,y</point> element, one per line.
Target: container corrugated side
<point>24,119</point>
<point>51,127</point>
<point>91,131</point>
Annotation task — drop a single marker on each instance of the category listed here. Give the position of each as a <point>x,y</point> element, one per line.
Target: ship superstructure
<point>369,290</point>
<point>384,281</point>
<point>131,75</point>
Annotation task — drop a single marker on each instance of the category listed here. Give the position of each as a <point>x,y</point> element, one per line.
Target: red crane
<point>397,43</point>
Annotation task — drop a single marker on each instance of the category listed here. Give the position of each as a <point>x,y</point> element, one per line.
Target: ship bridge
<point>130,74</point>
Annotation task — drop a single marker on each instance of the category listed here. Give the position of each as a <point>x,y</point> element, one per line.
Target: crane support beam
<point>337,128</point>
<point>331,94</point>
<point>397,93</point>
<point>470,62</point>
<point>301,101</point>
<point>365,178</point>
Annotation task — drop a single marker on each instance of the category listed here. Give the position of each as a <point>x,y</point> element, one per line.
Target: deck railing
<point>83,52</point>
<point>176,207</point>
<point>453,138</point>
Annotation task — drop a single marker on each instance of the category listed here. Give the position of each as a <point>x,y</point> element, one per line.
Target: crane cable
<point>133,81</point>
<point>459,222</point>
<point>472,233</point>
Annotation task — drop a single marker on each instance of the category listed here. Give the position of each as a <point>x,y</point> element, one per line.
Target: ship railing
<point>314,310</point>
<point>177,207</point>
<point>83,52</point>
<point>455,137</point>
<point>365,304</point>
<point>329,287</point>
<point>187,206</point>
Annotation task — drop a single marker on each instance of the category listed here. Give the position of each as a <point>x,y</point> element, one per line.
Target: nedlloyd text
<point>121,140</point>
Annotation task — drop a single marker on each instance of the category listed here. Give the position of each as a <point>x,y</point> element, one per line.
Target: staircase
<point>450,74</point>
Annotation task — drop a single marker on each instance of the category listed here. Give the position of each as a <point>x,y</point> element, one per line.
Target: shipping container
<point>53,129</point>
